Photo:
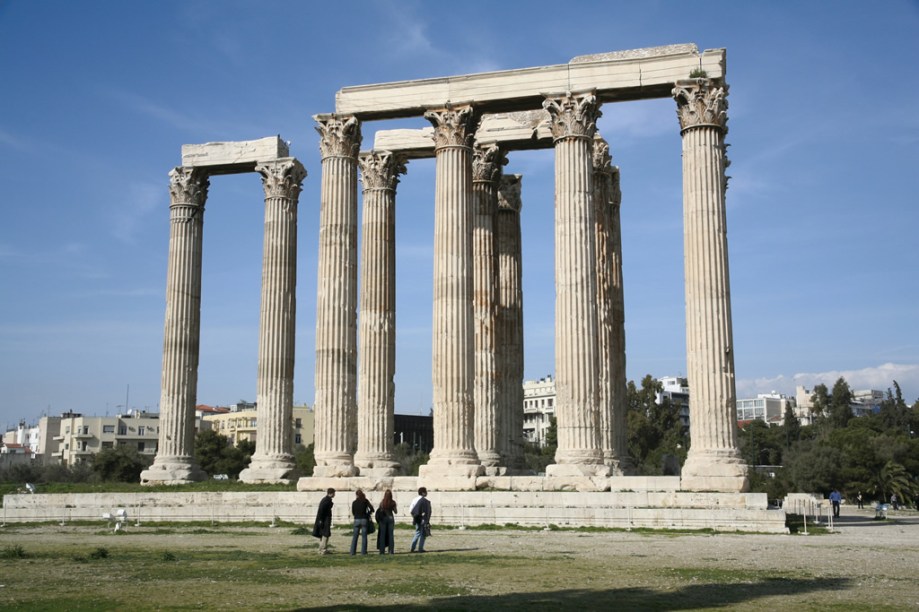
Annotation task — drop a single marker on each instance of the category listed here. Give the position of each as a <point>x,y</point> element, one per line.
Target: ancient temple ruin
<point>478,120</point>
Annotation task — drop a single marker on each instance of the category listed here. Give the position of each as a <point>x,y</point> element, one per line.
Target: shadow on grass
<point>693,597</point>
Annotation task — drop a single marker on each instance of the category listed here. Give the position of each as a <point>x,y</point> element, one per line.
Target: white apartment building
<point>80,437</point>
<point>676,389</point>
<point>766,407</point>
<point>538,408</point>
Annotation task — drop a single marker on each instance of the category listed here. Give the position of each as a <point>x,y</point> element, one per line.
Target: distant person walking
<point>893,501</point>
<point>420,510</point>
<point>362,512</point>
<point>323,527</point>
<point>861,501</point>
<point>386,521</point>
<point>836,500</point>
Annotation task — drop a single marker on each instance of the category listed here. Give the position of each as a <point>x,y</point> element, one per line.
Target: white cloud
<point>879,377</point>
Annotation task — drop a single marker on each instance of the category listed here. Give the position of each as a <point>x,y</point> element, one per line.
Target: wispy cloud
<point>129,216</point>
<point>879,377</point>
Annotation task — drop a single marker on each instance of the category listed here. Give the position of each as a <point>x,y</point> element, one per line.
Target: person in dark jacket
<point>362,512</point>
<point>386,521</point>
<point>323,527</point>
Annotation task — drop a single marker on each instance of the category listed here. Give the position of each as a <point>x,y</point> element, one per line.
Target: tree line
<point>876,455</point>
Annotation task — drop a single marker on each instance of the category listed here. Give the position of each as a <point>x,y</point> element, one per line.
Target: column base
<point>715,471</point>
<point>335,470</point>
<point>172,471</point>
<point>489,459</point>
<point>578,470</point>
<point>378,467</point>
<point>271,469</point>
<point>448,468</point>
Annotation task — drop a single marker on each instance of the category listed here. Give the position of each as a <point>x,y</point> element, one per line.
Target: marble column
<point>610,311</point>
<point>282,181</point>
<point>624,464</point>
<point>602,169</point>
<point>336,301</point>
<point>510,321</point>
<point>175,461</point>
<point>380,171</point>
<point>713,462</point>
<point>453,369</point>
<point>486,172</point>
<point>573,121</point>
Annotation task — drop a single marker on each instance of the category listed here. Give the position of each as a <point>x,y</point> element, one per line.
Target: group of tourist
<point>382,521</point>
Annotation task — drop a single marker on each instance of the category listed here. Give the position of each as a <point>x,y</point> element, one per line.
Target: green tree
<point>216,455</point>
<point>791,426</point>
<point>657,440</point>
<point>121,463</point>
<point>840,408</point>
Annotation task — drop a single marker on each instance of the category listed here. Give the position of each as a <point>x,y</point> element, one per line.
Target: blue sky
<point>98,98</point>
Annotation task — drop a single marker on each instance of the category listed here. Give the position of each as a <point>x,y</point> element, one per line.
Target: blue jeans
<point>360,527</point>
<point>419,537</point>
<point>386,538</point>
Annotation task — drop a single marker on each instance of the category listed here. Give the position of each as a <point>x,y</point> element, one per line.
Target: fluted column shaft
<point>573,123</point>
<point>336,301</point>
<point>453,344</point>
<point>602,169</point>
<point>377,319</point>
<point>282,181</point>
<point>486,172</point>
<point>510,321</point>
<point>624,464</point>
<point>175,462</point>
<point>713,461</point>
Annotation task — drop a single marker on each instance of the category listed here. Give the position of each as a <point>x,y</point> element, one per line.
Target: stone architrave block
<point>641,74</point>
<point>234,157</point>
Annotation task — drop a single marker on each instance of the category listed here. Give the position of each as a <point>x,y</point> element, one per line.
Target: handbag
<point>371,527</point>
<point>427,530</point>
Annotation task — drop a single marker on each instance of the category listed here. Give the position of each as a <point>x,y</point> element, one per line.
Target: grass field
<point>150,567</point>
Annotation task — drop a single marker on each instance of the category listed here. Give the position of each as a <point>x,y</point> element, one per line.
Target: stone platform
<point>652,503</point>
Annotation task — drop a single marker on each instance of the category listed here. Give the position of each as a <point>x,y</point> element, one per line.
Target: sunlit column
<point>273,459</point>
<point>573,123</point>
<point>175,462</point>
<point>336,301</point>
<point>713,462</point>
<point>453,341</point>
<point>376,391</point>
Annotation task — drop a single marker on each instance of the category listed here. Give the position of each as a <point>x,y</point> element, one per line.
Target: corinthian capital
<point>487,162</point>
<point>509,199</point>
<point>573,115</point>
<point>699,103</point>
<point>188,187</point>
<point>340,135</point>
<point>453,126</point>
<point>381,169</point>
<point>282,178</point>
<point>601,156</point>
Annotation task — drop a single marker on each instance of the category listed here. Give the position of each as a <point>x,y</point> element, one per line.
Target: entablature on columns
<point>624,75</point>
<point>236,157</point>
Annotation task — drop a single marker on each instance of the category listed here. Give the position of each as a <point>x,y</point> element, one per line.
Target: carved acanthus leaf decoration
<point>700,103</point>
<point>187,191</point>
<point>340,136</point>
<point>282,178</point>
<point>487,162</point>
<point>602,160</point>
<point>573,116</point>
<point>381,169</point>
<point>453,126</point>
<point>509,197</point>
